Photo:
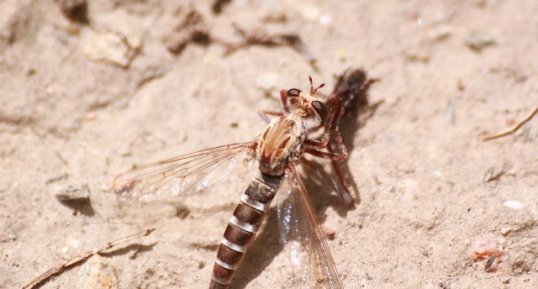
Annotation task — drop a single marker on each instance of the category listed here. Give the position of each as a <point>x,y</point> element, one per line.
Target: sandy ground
<point>79,102</point>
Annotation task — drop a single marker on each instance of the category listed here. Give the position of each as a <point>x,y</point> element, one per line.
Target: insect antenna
<point>312,90</point>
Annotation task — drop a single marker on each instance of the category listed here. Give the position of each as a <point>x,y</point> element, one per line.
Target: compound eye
<point>294,92</point>
<point>320,109</point>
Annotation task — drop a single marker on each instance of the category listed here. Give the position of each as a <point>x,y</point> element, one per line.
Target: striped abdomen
<point>241,230</point>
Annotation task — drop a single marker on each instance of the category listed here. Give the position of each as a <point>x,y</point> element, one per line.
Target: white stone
<point>516,205</point>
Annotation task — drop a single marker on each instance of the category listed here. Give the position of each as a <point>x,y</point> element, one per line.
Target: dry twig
<point>58,269</point>
<point>263,38</point>
<point>512,129</point>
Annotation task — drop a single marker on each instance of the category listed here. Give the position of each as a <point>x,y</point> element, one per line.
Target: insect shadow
<point>267,245</point>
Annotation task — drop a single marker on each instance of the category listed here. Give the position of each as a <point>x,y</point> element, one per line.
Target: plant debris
<point>192,28</point>
<point>262,38</point>
<point>512,129</point>
<point>62,267</point>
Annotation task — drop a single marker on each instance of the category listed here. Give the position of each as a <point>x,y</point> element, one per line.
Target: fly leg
<point>335,157</point>
<point>284,100</point>
<point>316,143</point>
<point>336,151</point>
<point>325,154</point>
<point>337,143</point>
<point>321,149</point>
<point>264,114</point>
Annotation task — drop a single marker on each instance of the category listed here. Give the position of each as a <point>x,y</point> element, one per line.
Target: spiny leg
<point>284,100</point>
<point>264,114</point>
<point>337,144</point>
<point>325,154</point>
<point>332,140</point>
<point>316,143</point>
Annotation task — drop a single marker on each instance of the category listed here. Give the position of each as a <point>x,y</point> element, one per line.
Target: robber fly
<point>277,152</point>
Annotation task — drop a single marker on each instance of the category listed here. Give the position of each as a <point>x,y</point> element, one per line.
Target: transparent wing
<point>305,241</point>
<point>180,175</point>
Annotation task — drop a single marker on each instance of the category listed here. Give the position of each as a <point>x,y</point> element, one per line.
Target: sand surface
<point>80,102</point>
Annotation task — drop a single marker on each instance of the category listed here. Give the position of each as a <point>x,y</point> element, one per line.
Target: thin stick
<point>513,129</point>
<point>58,269</point>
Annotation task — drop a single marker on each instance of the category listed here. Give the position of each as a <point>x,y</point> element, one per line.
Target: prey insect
<point>306,125</point>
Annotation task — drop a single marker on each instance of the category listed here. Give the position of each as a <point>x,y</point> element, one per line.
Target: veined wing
<point>305,240</point>
<point>180,175</point>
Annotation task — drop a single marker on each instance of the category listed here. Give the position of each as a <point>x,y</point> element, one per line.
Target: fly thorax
<point>311,122</point>
<point>278,142</point>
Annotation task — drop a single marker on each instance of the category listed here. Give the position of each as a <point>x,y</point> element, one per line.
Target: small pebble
<point>492,174</point>
<point>110,47</point>
<point>73,192</point>
<point>479,40</point>
<point>505,231</point>
<point>331,235</point>
<point>460,85</point>
<point>97,273</point>
<point>513,204</point>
